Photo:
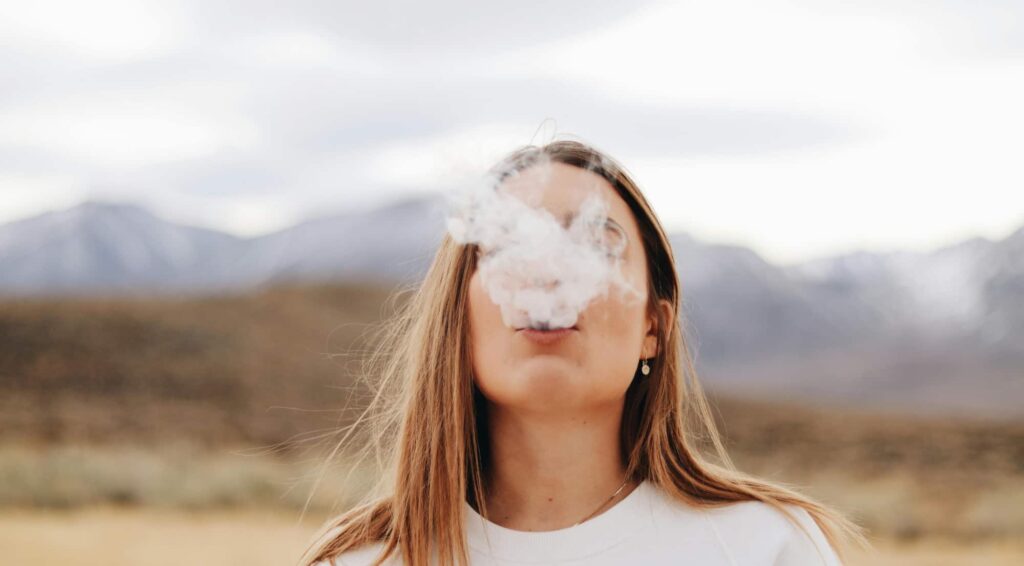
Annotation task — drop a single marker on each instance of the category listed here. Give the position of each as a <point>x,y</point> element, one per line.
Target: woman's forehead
<point>561,189</point>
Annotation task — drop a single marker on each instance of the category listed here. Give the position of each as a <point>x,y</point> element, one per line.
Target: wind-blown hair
<point>426,423</point>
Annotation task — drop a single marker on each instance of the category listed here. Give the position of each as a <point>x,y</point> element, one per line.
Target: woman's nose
<point>549,283</point>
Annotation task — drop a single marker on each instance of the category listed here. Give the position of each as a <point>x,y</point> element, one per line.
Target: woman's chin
<point>548,386</point>
<point>544,370</point>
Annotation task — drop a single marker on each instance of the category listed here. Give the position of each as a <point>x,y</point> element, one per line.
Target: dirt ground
<point>114,537</point>
<point>111,410</point>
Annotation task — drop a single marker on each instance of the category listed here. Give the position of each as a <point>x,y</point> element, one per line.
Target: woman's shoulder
<point>750,530</point>
<point>737,513</point>
<point>791,545</point>
<point>757,514</point>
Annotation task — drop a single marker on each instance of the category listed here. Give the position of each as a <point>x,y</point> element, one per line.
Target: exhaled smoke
<point>540,272</point>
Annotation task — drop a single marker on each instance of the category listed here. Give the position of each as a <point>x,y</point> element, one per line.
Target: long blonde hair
<point>427,427</point>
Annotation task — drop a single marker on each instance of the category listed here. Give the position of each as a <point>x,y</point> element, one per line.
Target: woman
<point>510,445</point>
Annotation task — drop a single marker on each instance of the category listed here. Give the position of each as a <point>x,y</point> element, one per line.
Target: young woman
<point>512,446</point>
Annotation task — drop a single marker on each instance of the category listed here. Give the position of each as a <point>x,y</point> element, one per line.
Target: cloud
<point>116,30</point>
<point>212,122</point>
<point>291,106</point>
<point>462,26</point>
<point>948,29</point>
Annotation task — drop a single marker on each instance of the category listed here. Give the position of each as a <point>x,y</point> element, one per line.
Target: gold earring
<point>644,368</point>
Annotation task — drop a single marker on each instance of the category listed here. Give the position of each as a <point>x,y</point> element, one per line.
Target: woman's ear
<point>662,316</point>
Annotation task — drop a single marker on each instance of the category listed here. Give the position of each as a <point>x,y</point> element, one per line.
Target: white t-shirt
<point>646,528</point>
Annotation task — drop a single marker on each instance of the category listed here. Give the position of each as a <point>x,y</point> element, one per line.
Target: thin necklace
<point>617,491</point>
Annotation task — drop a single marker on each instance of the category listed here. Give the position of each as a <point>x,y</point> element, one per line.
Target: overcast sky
<point>800,128</point>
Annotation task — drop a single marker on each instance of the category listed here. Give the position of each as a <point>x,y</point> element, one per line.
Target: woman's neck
<point>549,471</point>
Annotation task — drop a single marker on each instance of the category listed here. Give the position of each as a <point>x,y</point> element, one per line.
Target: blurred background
<point>204,207</point>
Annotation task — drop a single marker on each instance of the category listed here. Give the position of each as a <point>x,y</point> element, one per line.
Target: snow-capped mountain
<point>971,289</point>
<point>104,248</point>
<point>99,247</point>
<point>394,242</point>
<point>934,331</point>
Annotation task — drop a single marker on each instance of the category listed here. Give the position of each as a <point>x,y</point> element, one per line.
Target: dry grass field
<point>129,537</point>
<point>193,431</point>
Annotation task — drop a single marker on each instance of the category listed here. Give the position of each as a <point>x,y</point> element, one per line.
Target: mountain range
<point>936,331</point>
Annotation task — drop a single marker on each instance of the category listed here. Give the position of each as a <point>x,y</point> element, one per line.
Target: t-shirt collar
<point>589,537</point>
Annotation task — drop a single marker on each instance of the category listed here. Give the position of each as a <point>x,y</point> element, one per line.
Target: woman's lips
<point>546,336</point>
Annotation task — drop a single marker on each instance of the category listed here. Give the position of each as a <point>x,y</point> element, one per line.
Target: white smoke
<point>542,274</point>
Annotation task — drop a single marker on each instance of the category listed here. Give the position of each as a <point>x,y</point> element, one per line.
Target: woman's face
<point>589,368</point>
